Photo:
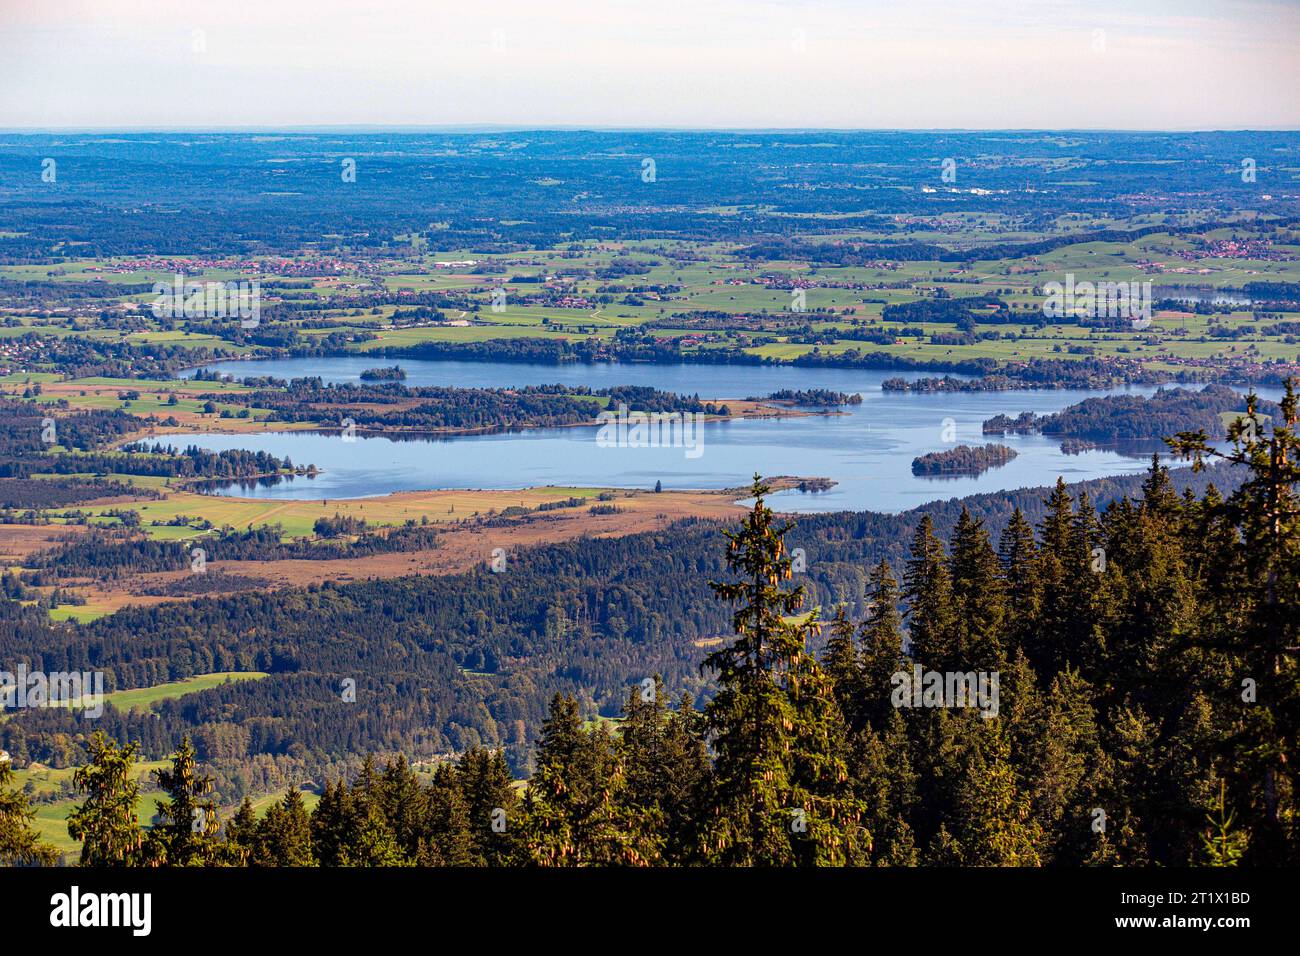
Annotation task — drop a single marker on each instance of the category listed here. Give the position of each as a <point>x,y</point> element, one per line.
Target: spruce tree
<point>571,813</point>
<point>492,804</point>
<point>1057,528</point>
<point>370,842</point>
<point>780,792</point>
<point>979,598</point>
<point>1224,843</point>
<point>241,835</point>
<point>1061,765</point>
<point>927,588</point>
<point>843,665</point>
<point>20,844</point>
<point>284,834</point>
<point>1265,599</point>
<point>993,824</point>
<point>1148,606</point>
<point>1064,569</point>
<point>446,839</point>
<point>106,822</point>
<point>402,801</point>
<point>1018,554</point>
<point>348,827</point>
<point>883,780</point>
<point>882,647</point>
<point>1091,596</point>
<point>186,834</point>
<point>666,764</point>
<point>329,824</point>
<point>1119,834</point>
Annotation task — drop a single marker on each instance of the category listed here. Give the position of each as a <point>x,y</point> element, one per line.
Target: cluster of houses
<point>1249,370</point>
<point>16,356</point>
<point>196,265</point>
<point>1150,267</point>
<point>1262,249</point>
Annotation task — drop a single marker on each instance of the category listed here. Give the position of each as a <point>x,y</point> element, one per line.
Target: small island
<point>1025,423</point>
<point>962,460</point>
<point>393,374</point>
<point>1077,446</point>
<point>812,397</point>
<point>812,485</point>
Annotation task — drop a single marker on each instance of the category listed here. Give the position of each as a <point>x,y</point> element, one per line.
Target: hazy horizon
<point>597,128</point>
<point>1148,65</point>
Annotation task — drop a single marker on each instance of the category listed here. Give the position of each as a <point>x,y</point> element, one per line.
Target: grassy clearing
<point>92,610</point>
<point>260,805</point>
<point>144,698</point>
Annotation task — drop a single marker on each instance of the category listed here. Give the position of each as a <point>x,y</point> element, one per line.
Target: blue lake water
<point>868,450</point>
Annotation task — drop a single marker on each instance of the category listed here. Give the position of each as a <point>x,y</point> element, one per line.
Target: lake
<point>867,450</point>
<point>1195,294</point>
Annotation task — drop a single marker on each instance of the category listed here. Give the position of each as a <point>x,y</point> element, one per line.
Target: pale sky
<point>1057,64</point>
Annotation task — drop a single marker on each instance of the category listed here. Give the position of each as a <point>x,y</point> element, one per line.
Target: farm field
<point>561,297</point>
